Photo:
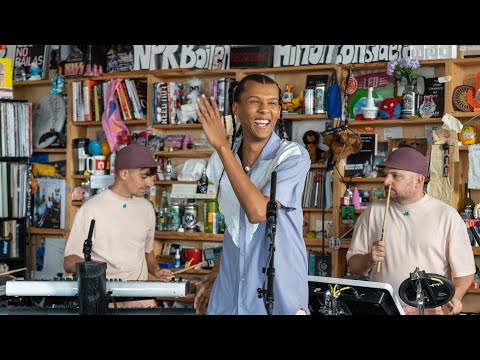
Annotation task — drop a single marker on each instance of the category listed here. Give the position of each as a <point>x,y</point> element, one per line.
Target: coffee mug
<point>97,165</point>
<point>192,255</point>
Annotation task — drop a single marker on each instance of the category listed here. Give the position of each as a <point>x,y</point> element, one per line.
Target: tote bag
<point>112,122</point>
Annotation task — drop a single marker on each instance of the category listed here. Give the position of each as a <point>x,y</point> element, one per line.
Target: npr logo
<point>151,57</point>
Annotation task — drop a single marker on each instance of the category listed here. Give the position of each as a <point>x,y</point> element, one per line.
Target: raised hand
<point>212,122</point>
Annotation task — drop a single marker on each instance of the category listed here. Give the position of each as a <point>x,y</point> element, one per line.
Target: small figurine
<point>390,109</point>
<point>35,73</point>
<point>314,145</point>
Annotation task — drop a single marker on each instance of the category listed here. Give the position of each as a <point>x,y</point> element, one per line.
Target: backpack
<point>333,98</point>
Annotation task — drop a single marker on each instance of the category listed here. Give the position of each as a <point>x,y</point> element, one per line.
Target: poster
<point>26,55</point>
<point>6,89</point>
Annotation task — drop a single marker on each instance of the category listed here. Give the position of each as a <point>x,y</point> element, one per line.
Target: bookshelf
<point>462,71</point>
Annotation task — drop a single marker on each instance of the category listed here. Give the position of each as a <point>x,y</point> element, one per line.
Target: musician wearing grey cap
<point>124,224</point>
<point>422,232</point>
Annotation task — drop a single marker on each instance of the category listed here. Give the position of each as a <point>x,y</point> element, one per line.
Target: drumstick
<point>190,267</point>
<point>12,271</point>
<point>384,222</point>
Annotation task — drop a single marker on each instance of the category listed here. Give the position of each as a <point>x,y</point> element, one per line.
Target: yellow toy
<point>291,106</point>
<point>468,135</point>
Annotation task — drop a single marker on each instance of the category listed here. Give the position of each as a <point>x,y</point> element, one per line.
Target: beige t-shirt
<point>124,232</point>
<point>428,234</point>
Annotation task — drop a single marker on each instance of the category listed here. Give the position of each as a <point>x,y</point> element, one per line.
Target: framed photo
<point>26,55</point>
<point>348,214</point>
<point>378,193</point>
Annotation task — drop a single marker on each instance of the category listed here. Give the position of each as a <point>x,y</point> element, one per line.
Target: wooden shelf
<point>344,244</point>
<point>365,180</point>
<point>77,202</point>
<point>473,291</point>
<point>370,180</point>
<point>84,177</point>
<point>318,166</point>
<point>476,250</point>
<point>187,236</point>
<point>184,153</point>
<point>46,231</point>
<point>461,114</point>
<point>178,126</point>
<point>28,83</point>
<point>304,116</point>
<point>170,182</point>
<point>99,123</point>
<point>50,150</point>
<point>317,209</point>
<point>394,122</point>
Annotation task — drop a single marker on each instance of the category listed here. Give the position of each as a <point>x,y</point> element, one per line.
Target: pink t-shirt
<point>124,232</point>
<point>428,234</point>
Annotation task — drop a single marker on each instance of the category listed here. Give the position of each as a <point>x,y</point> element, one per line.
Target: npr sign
<point>152,57</point>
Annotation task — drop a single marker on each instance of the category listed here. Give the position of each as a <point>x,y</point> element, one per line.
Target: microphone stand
<point>267,293</point>
<point>92,281</point>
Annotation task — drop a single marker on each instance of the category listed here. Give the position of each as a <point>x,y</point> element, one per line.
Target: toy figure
<point>390,109</point>
<point>35,72</point>
<point>290,107</point>
<point>311,139</point>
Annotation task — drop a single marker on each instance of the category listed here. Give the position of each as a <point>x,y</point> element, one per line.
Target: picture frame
<point>26,55</point>
<point>348,214</point>
<point>378,194</point>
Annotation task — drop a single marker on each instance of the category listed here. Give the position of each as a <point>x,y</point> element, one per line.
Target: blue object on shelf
<point>165,265</point>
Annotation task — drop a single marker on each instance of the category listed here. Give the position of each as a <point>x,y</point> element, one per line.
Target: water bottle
<point>177,259</point>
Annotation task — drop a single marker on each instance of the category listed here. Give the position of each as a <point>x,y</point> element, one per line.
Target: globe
<point>94,147</point>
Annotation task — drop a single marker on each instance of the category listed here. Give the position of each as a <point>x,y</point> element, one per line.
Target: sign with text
<point>152,57</point>
<point>297,55</point>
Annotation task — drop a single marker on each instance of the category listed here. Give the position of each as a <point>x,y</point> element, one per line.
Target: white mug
<point>97,164</point>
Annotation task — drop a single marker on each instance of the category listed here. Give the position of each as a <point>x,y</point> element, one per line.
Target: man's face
<point>406,185</point>
<point>139,181</point>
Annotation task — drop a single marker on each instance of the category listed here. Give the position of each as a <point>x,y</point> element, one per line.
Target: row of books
<point>90,99</point>
<point>313,191</point>
<point>175,102</point>
<point>10,232</point>
<point>13,182</point>
<point>15,129</point>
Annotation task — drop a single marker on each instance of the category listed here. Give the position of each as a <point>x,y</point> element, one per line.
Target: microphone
<point>87,244</point>
<point>272,204</point>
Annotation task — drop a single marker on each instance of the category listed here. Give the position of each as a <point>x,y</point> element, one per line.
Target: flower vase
<point>409,102</point>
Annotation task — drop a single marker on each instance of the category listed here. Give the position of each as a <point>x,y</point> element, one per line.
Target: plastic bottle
<point>356,199</point>
<point>168,170</point>
<point>164,213</point>
<point>177,259</point>
<point>202,183</point>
